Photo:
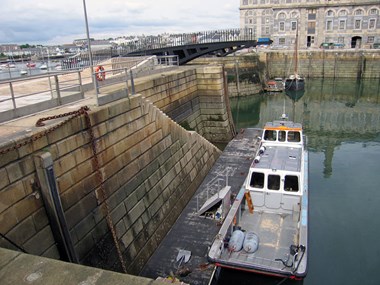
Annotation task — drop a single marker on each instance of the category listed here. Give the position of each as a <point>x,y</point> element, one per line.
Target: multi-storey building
<point>348,23</point>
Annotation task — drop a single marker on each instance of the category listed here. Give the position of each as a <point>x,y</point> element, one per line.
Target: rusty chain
<point>100,179</point>
<point>82,111</point>
<point>39,123</point>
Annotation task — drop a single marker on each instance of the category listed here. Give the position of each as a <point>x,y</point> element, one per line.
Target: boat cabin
<point>283,131</point>
<point>274,179</point>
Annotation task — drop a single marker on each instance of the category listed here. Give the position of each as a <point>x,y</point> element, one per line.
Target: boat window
<point>294,137</point>
<point>274,182</point>
<point>270,135</point>
<point>291,183</point>
<point>281,136</point>
<point>257,180</point>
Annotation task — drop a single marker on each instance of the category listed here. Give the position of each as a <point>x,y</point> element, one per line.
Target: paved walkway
<point>26,125</point>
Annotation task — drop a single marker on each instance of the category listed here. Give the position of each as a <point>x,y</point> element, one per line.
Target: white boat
<point>266,228</point>
<point>43,66</point>
<point>23,72</point>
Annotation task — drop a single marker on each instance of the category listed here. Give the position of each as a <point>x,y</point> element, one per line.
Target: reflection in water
<point>342,123</point>
<point>332,111</point>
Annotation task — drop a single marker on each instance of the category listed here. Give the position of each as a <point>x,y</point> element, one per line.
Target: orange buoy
<point>100,73</point>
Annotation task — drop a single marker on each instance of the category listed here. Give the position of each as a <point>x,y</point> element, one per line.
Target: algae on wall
<point>245,73</point>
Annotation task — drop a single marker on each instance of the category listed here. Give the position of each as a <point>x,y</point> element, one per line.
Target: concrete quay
<point>104,188</point>
<point>196,233</point>
<point>19,268</point>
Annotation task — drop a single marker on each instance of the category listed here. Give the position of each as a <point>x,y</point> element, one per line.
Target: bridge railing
<point>180,39</point>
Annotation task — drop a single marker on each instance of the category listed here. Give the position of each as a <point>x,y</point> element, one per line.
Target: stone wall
<point>248,68</point>
<point>149,166</point>
<point>255,68</point>
<point>195,98</point>
<point>324,63</point>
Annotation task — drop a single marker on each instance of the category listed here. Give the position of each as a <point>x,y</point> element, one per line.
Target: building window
<point>312,14</point>
<point>282,27</point>
<point>330,13</point>
<point>282,16</point>
<point>267,30</point>
<point>358,24</point>
<point>370,39</point>
<point>372,24</point>
<point>294,15</point>
<point>294,25</point>
<point>245,2</point>
<point>311,27</point>
<point>358,12</point>
<point>343,13</point>
<point>329,25</point>
<point>281,41</point>
<point>342,24</point>
<point>373,11</point>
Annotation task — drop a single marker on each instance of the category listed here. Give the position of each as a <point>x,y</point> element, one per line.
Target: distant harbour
<point>15,72</point>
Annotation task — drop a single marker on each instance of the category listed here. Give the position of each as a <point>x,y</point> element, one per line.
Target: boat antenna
<point>284,116</point>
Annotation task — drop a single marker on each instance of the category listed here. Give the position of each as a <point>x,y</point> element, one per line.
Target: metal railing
<point>214,186</point>
<point>28,95</point>
<point>171,40</point>
<point>115,80</point>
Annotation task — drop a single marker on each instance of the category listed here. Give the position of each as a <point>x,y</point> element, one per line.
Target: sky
<point>51,22</point>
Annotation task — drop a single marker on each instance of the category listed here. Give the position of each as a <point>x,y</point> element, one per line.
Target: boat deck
<point>194,233</point>
<point>276,232</point>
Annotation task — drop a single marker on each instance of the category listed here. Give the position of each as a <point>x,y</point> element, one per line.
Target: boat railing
<point>249,258</point>
<point>214,186</point>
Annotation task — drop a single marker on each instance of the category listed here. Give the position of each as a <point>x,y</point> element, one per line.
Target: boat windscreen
<point>257,180</point>
<point>294,136</point>
<point>273,182</point>
<point>270,135</point>
<point>291,183</point>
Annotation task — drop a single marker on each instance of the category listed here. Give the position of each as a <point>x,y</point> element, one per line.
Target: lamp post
<point>89,43</point>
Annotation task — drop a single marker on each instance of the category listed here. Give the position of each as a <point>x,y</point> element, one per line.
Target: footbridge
<point>192,45</point>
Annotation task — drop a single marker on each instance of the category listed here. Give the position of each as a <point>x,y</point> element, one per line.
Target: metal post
<point>80,84</point>
<point>126,81</point>
<point>13,95</point>
<point>132,83</point>
<point>89,45</point>
<point>51,87</point>
<point>57,89</point>
<point>237,75</point>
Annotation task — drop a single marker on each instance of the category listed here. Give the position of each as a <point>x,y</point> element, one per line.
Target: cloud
<point>46,21</point>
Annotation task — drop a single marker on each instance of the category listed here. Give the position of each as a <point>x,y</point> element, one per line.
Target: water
<point>13,73</point>
<point>342,122</point>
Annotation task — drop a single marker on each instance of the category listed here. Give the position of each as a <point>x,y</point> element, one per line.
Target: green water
<point>342,122</point>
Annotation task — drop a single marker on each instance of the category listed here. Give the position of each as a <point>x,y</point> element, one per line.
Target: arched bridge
<point>190,46</point>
